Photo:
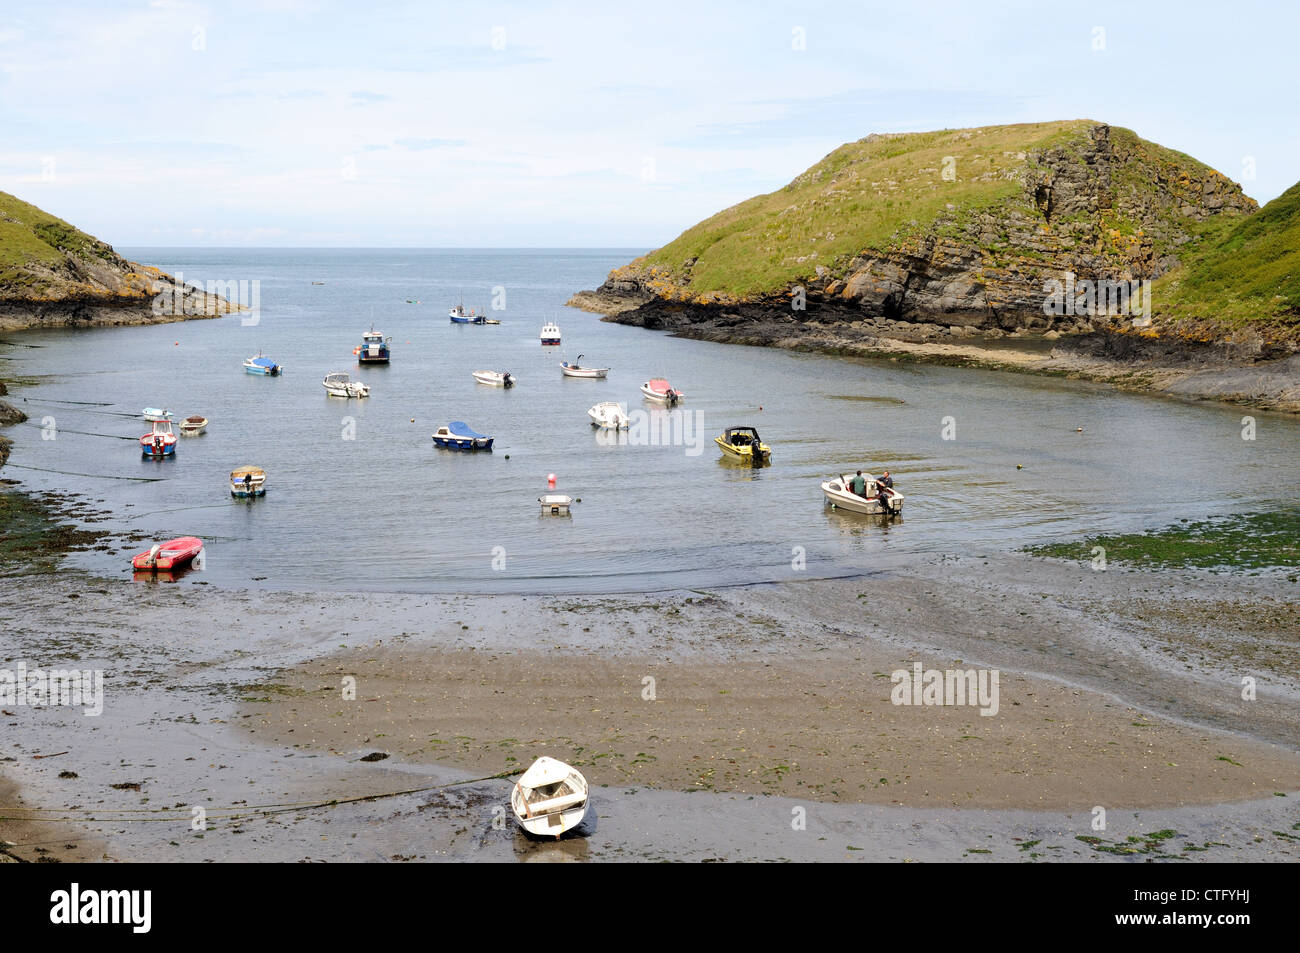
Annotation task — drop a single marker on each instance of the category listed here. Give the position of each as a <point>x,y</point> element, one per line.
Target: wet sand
<point>768,701</point>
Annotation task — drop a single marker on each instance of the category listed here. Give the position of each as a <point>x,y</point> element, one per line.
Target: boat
<point>658,389</point>
<point>373,348</point>
<point>495,378</point>
<point>457,435</point>
<point>556,504</point>
<point>840,496</point>
<point>577,370</point>
<point>743,443</point>
<point>609,415</point>
<point>339,384</point>
<point>550,333</point>
<point>490,321</point>
<point>193,426</point>
<point>160,441</point>
<point>247,482</point>
<point>263,365</point>
<point>550,798</point>
<point>459,315</point>
<point>173,554</point>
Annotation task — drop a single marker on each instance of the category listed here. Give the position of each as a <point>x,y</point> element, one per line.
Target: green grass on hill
<point>1240,270</point>
<point>865,194</point>
<point>30,236</point>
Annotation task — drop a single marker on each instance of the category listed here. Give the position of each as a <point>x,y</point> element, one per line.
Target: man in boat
<point>859,485</point>
<point>884,490</point>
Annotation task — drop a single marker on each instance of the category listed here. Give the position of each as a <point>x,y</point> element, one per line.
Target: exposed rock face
<point>1102,208</point>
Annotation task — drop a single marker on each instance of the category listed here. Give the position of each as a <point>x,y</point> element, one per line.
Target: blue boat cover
<point>263,362</point>
<point>459,428</point>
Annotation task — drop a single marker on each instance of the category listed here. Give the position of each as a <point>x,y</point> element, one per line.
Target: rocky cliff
<point>53,275</point>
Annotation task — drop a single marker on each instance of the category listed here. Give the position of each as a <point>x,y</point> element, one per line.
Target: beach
<point>710,724</point>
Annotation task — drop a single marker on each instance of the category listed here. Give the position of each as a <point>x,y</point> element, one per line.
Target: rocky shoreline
<point>1243,369</point>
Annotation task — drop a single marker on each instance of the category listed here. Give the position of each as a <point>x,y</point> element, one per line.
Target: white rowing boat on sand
<point>550,798</point>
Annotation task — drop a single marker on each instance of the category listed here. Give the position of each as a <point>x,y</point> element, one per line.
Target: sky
<point>314,123</point>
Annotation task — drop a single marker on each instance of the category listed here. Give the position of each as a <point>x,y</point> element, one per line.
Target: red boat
<point>173,554</point>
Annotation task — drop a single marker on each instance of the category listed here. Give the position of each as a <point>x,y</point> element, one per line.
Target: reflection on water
<point>359,498</point>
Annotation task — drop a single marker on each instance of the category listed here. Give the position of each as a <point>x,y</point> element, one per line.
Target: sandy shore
<point>1116,690</point>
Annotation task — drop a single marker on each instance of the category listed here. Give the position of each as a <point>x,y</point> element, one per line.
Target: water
<point>388,511</point>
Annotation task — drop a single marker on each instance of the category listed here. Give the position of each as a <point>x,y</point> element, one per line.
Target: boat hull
<point>589,373</point>
<point>173,554</point>
<point>840,497</point>
<point>150,449</point>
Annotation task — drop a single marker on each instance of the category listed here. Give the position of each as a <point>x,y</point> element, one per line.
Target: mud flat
<point>770,705</point>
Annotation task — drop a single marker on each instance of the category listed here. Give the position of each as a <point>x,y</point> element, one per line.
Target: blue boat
<point>373,348</point>
<point>262,365</point>
<point>457,435</point>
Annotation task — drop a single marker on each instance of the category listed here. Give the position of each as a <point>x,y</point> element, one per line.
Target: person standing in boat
<point>884,490</point>
<point>859,485</point>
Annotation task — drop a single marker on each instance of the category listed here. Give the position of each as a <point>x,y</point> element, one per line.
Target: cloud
<point>419,145</point>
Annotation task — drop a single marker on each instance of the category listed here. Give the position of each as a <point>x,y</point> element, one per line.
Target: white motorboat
<point>193,426</point>
<point>557,504</point>
<point>577,370</point>
<point>339,384</point>
<point>658,389</point>
<point>495,378</point>
<point>609,415</point>
<point>839,494</point>
<point>550,798</point>
<point>550,333</point>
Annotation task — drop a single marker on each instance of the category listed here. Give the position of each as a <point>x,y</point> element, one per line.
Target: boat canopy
<point>747,431</point>
<point>459,428</point>
<point>262,362</point>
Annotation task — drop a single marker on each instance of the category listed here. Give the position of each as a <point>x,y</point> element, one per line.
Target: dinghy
<point>658,389</point>
<point>339,384</point>
<point>193,426</point>
<point>262,365</point>
<point>495,378</point>
<point>457,435</point>
<point>550,798</point>
<point>173,554</point>
<point>743,443</point>
<point>839,494</point>
<point>160,441</point>
<point>247,482</point>
<point>557,504</point>
<point>609,415</point>
<point>550,333</point>
<point>577,370</point>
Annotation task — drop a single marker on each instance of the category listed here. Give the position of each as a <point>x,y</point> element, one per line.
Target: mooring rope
<point>98,476</point>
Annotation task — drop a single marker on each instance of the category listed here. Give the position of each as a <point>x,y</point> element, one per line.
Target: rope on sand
<point>98,476</point>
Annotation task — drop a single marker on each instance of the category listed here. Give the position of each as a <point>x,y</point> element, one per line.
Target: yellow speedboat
<point>743,443</point>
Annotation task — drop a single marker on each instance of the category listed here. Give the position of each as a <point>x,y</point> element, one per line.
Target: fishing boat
<point>557,504</point>
<point>839,494</point>
<point>193,426</point>
<point>160,441</point>
<point>457,435</point>
<point>743,443</point>
<point>247,482</point>
<point>173,554</point>
<point>459,315</point>
<point>577,370</point>
<point>658,389</point>
<point>550,333</point>
<point>262,365</point>
<point>495,378</point>
<point>550,798</point>
<point>339,384</point>
<point>373,348</point>
<point>609,415</point>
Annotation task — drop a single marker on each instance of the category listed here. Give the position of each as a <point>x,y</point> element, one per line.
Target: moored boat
<point>550,333</point>
<point>373,348</point>
<point>743,443</point>
<point>246,482</point>
<point>458,435</point>
<point>557,504</point>
<point>576,369</point>
<point>839,494</point>
<point>262,365</point>
<point>609,415</point>
<point>658,389</point>
<point>173,554</point>
<point>459,315</point>
<point>160,441</point>
<point>495,378</point>
<point>339,384</point>
<point>550,798</point>
<point>193,426</point>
